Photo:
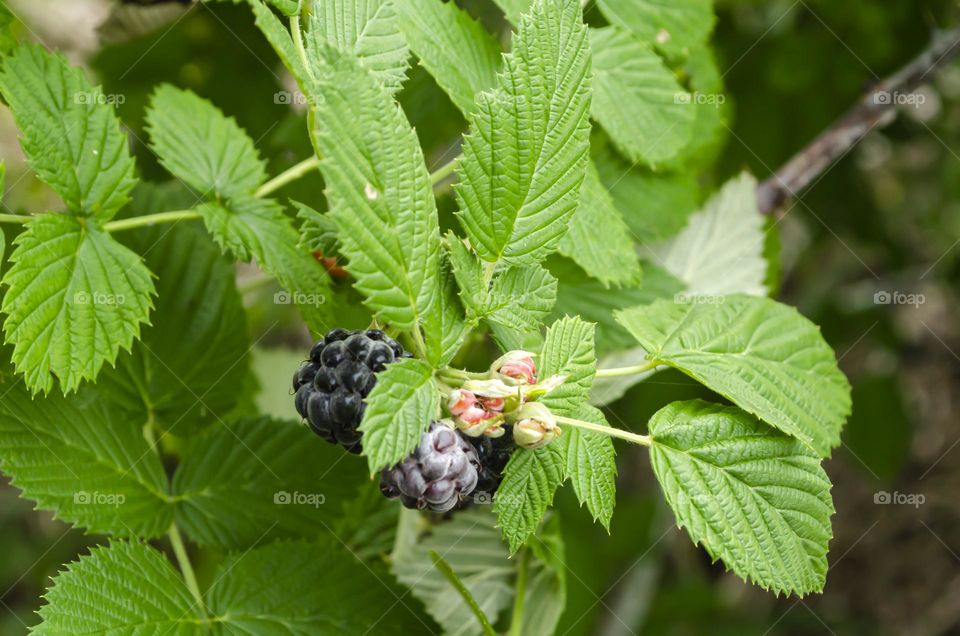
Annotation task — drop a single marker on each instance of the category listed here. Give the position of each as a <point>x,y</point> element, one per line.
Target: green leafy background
<point>787,71</point>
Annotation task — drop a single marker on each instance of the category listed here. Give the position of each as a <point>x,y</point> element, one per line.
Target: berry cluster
<point>331,386</point>
<point>490,416</point>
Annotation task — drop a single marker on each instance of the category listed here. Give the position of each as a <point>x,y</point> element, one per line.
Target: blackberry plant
<point>466,366</point>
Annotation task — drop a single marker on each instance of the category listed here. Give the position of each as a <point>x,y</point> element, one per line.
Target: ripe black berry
<point>331,386</point>
<point>440,473</point>
<point>493,453</point>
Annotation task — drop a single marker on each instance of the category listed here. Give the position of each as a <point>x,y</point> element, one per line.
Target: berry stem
<point>151,219</point>
<point>516,619</point>
<point>451,576</point>
<point>292,173</point>
<point>185,566</point>
<point>633,370</point>
<point>643,440</point>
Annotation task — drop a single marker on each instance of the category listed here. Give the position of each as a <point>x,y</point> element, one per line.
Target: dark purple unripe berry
<point>438,475</point>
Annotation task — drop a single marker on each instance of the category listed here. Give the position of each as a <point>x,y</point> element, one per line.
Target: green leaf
<point>286,7</point>
<point>445,326</point>
<point>590,464</point>
<point>367,29</point>
<point>251,228</point>
<point>763,356</point>
<point>525,157</point>
<point>75,297</point>
<point>69,131</point>
<point>753,497</point>
<point>546,590</point>
<point>529,482</point>
<point>201,146</point>
<point>637,99</point>
<point>512,340</point>
<point>568,351</point>
<point>674,26</point>
<point>514,9</point>
<point>378,190</point>
<point>399,409</point>
<point>252,479</point>
<point>578,295</point>
<point>185,369</point>
<point>454,48</point>
<point>301,588</point>
<point>3,179</point>
<point>655,206</point>
<point>123,588</point>
<point>518,300</point>
<point>521,297</point>
<point>712,110</point>
<point>472,546</point>
<point>85,459</point>
<point>279,38</point>
<point>588,457</point>
<point>468,272</point>
<point>8,39</point>
<point>720,251</point>
<point>598,239</point>
<point>318,232</point>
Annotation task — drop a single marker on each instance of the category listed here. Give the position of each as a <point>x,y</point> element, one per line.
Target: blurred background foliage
<point>885,218</point>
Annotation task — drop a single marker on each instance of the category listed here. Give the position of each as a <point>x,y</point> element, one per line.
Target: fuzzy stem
<point>516,619</point>
<point>643,440</point>
<point>457,377</point>
<point>454,580</point>
<point>15,218</point>
<point>298,42</point>
<point>443,171</point>
<point>290,174</point>
<point>634,370</point>
<point>151,219</point>
<point>418,342</point>
<point>185,567</point>
<point>176,541</point>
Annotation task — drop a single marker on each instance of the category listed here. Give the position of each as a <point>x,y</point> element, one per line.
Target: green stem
<point>634,370</point>
<point>185,566</point>
<point>290,174</point>
<point>298,42</point>
<point>488,269</point>
<point>643,440</point>
<point>443,171</point>
<point>15,218</point>
<point>457,377</point>
<point>176,541</point>
<point>516,619</point>
<point>451,576</point>
<point>418,342</point>
<point>151,219</point>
